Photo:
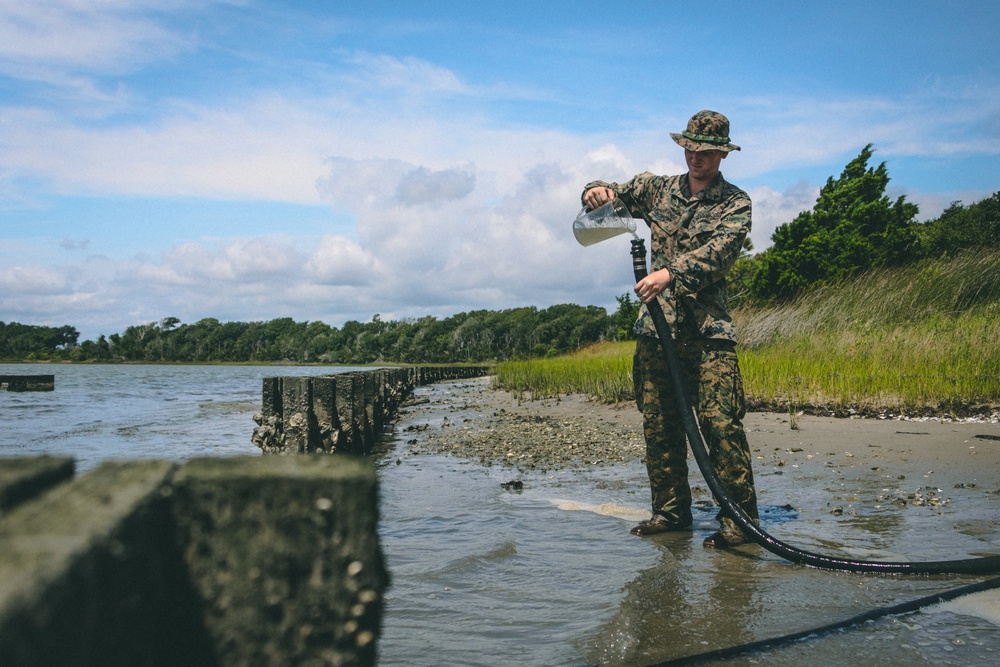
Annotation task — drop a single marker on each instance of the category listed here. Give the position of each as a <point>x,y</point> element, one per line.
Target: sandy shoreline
<point>573,432</point>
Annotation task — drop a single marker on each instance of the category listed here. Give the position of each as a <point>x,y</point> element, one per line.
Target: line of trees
<point>477,336</point>
<point>27,341</point>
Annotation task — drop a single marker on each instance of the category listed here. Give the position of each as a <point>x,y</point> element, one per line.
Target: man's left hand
<point>653,285</point>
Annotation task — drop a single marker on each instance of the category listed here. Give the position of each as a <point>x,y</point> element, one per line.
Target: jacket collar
<point>712,193</point>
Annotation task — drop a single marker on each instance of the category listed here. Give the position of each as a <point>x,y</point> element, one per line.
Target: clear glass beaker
<point>603,222</point>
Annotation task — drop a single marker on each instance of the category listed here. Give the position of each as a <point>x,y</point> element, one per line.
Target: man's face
<point>703,165</point>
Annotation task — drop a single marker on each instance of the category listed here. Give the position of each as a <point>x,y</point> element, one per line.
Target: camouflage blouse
<point>698,238</point>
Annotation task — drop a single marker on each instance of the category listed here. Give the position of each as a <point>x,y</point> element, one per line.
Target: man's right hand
<point>598,196</point>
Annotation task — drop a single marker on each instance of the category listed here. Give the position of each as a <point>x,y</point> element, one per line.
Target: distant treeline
<point>853,228</point>
<point>477,336</point>
<point>27,341</point>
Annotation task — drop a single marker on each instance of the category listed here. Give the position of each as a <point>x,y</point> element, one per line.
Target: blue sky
<point>250,160</point>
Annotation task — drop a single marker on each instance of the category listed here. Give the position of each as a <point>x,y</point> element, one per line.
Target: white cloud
<point>262,259</point>
<point>264,150</point>
<point>43,39</point>
<point>31,281</point>
<point>423,186</point>
<point>163,276</point>
<point>408,74</point>
<point>782,133</point>
<point>244,261</point>
<point>74,244</point>
<point>339,261</point>
<point>771,209</point>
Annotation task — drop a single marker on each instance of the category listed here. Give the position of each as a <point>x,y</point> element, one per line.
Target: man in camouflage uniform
<point>698,224</point>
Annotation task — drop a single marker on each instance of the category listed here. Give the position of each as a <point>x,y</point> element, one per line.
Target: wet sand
<point>922,461</point>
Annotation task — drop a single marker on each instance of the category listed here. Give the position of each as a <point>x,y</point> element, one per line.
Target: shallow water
<point>100,412</point>
<point>549,575</point>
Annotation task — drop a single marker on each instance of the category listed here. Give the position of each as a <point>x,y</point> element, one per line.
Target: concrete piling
<point>90,574</point>
<point>23,478</point>
<point>342,413</point>
<point>28,382</point>
<point>225,561</point>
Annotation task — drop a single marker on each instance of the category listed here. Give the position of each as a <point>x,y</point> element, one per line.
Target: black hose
<point>988,565</point>
<point>894,610</point>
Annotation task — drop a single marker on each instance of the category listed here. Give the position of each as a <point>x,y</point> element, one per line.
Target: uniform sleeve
<point>596,184</point>
<point>714,256</point>
<point>634,188</point>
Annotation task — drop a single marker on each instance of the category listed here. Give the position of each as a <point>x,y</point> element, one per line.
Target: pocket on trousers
<point>739,395</point>
<point>732,397</point>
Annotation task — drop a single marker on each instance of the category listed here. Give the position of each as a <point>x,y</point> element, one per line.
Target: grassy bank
<point>603,371</point>
<point>922,339</point>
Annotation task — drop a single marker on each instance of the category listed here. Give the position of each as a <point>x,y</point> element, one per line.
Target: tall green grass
<point>921,338</point>
<point>603,371</point>
<point>924,338</point>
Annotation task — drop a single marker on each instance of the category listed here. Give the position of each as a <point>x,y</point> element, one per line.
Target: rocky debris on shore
<point>535,442</point>
<point>492,427</point>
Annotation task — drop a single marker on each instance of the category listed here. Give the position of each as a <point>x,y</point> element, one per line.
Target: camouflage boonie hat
<point>706,131</point>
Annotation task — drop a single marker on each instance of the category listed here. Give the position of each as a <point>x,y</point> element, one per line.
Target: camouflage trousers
<point>714,386</point>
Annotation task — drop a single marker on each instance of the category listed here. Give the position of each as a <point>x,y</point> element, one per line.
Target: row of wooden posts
<point>341,413</point>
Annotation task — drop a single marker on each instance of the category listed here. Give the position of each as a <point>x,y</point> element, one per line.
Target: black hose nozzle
<point>639,259</point>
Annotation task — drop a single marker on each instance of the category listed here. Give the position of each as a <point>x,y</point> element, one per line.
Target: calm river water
<point>486,576</point>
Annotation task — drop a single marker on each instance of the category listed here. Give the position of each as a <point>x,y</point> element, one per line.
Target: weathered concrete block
<point>271,398</point>
<point>367,411</point>
<point>268,433</point>
<point>90,575</point>
<point>324,405</point>
<point>231,561</point>
<point>378,401</point>
<point>28,382</point>
<point>23,478</point>
<point>284,551</point>
<point>347,384</point>
<point>296,413</point>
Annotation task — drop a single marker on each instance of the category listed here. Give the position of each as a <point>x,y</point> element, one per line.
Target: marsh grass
<point>924,367</point>
<point>602,371</point>
<point>924,338</point>
<point>921,339</point>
